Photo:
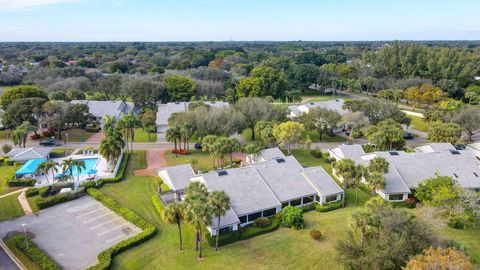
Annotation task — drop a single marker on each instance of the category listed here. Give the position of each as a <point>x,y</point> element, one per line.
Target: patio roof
<point>30,167</point>
<point>25,154</point>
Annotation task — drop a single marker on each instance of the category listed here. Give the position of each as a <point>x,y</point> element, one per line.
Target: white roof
<point>113,108</point>
<point>435,147</point>
<point>181,174</point>
<point>322,182</point>
<point>334,104</point>
<point>24,154</point>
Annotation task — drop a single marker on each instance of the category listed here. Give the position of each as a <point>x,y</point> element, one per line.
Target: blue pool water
<point>89,165</point>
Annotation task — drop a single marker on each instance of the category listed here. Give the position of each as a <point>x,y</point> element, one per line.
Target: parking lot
<point>75,232</point>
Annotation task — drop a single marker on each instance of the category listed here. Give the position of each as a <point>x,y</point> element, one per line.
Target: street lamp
<point>25,232</point>
<point>66,142</point>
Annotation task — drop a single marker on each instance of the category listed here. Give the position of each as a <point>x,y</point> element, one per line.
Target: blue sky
<point>217,20</point>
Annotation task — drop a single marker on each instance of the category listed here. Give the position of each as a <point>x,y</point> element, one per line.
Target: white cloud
<point>22,4</point>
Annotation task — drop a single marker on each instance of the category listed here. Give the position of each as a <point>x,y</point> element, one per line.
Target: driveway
<point>155,161</point>
<point>73,233</point>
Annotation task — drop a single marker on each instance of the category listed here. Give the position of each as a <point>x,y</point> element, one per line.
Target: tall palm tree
<point>197,208</point>
<point>173,213</point>
<point>67,165</point>
<point>359,173</point>
<point>130,122</point>
<point>220,203</point>
<point>186,131</point>
<point>252,149</point>
<point>46,167</point>
<point>361,220</point>
<point>111,148</point>
<point>80,165</point>
<point>208,145</point>
<point>200,217</point>
<point>345,168</point>
<point>376,180</point>
<point>173,135</point>
<point>109,124</point>
<point>378,164</point>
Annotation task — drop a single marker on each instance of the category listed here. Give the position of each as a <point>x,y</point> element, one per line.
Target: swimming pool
<point>90,164</point>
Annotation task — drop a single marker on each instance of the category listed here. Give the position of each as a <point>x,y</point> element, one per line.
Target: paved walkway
<point>96,138</point>
<point>155,161</point>
<point>13,192</point>
<point>24,203</point>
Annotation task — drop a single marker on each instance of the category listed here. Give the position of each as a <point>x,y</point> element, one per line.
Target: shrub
<point>92,129</point>
<point>292,217</point>
<point>309,207</point>
<point>8,162</point>
<point>34,253</point>
<point>120,173</point>
<point>315,234</point>
<point>252,231</point>
<point>158,205</point>
<point>316,153</point>
<point>31,192</point>
<point>43,203</point>
<point>180,152</point>
<point>56,187</point>
<point>328,207</point>
<point>410,203</point>
<point>105,257</point>
<point>92,184</point>
<point>261,222</point>
<point>35,136</point>
<point>457,222</point>
<point>45,191</point>
<point>6,148</point>
<point>21,183</point>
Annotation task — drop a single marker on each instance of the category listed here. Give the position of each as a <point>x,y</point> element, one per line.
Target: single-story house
<point>181,173</point>
<point>25,154</point>
<point>165,110</point>
<point>334,104</point>
<point>474,148</point>
<point>262,188</point>
<point>264,155</point>
<point>113,108</point>
<point>407,170</point>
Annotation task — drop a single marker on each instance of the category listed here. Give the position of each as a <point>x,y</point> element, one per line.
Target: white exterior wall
<point>323,199</point>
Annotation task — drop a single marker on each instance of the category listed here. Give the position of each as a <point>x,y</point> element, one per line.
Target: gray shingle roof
<point>322,182</point>
<point>165,110</point>
<point>271,153</point>
<point>353,152</point>
<point>180,175</point>
<point>112,108</point>
<point>435,147</point>
<point>228,219</point>
<point>334,104</point>
<point>24,154</point>
<point>246,189</point>
<point>285,179</point>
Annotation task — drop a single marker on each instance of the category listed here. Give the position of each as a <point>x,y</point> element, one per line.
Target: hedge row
<point>328,207</point>
<point>119,177</point>
<point>158,205</point>
<point>245,233</point>
<point>105,257</point>
<point>35,254</point>
<point>21,183</point>
<point>43,203</point>
<point>31,192</point>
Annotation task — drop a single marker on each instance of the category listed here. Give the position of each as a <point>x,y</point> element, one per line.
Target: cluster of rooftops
<point>408,169</point>
<point>267,183</point>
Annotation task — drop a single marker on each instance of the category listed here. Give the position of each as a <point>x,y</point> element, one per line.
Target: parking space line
<point>106,222</point>
<point>115,238</point>
<point>90,212</point>
<point>98,217</point>
<point>113,229</point>
<point>79,207</point>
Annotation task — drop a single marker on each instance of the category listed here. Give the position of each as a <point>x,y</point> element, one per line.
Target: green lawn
<point>6,173</point>
<point>77,134</point>
<point>283,249</point>
<point>10,207</point>
<point>29,264</point>
<point>204,161</point>
<point>142,136</point>
<point>5,134</point>
<point>315,137</point>
<point>470,238</point>
<point>418,123</point>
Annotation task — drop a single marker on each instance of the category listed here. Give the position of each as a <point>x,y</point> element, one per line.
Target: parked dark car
<point>408,136</point>
<point>49,142</point>
<point>460,146</point>
<point>198,146</point>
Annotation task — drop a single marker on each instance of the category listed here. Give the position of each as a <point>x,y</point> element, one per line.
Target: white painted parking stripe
<point>80,207</point>
<point>90,212</point>
<point>98,217</point>
<point>115,238</point>
<point>113,229</point>
<point>106,222</point>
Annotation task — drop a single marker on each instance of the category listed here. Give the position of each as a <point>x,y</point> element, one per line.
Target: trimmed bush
<point>8,162</point>
<point>21,183</point>
<point>316,153</point>
<point>309,207</point>
<point>261,222</point>
<point>316,234</point>
<point>250,231</point>
<point>45,191</point>
<point>292,217</point>
<point>158,205</point>
<point>105,257</point>
<point>34,253</point>
<point>328,207</point>
<point>457,222</point>
<point>92,184</point>
<point>92,129</point>
<point>56,187</point>
<point>120,173</point>
<point>225,238</point>
<point>43,203</point>
<point>31,192</point>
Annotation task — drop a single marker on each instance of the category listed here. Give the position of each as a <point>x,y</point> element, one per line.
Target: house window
<point>308,199</point>
<point>269,212</point>
<point>331,198</point>
<point>317,198</point>
<point>226,229</point>
<point>284,204</point>
<point>296,202</point>
<point>242,219</point>
<point>395,197</point>
<point>254,216</point>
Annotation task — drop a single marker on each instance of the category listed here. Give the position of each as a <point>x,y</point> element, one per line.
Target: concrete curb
<point>11,255</point>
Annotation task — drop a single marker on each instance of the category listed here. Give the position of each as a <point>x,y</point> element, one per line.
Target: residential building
<point>114,108</point>
<point>25,154</point>
<point>165,110</point>
<point>334,104</point>
<point>474,148</point>
<point>261,188</point>
<point>408,169</point>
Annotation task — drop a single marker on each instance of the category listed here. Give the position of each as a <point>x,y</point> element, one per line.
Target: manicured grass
<point>470,238</point>
<point>29,264</point>
<point>142,136</point>
<point>6,173</point>
<point>204,161</point>
<point>10,207</point>
<point>418,123</point>
<point>77,135</point>
<point>33,205</point>
<point>306,159</point>
<point>315,137</point>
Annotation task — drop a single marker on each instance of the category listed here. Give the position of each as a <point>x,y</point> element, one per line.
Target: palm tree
<point>200,217</point>
<point>46,167</point>
<point>252,149</point>
<point>376,180</point>
<point>173,213</point>
<point>173,134</point>
<point>111,148</point>
<point>80,165</point>
<point>378,164</point>
<point>361,220</point>
<point>109,124</point>
<point>186,131</point>
<point>67,165</point>
<point>345,168</point>
<point>221,204</point>
<point>233,145</point>
<point>360,172</point>
<point>130,122</point>
<point>197,211</point>
<point>208,145</point>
